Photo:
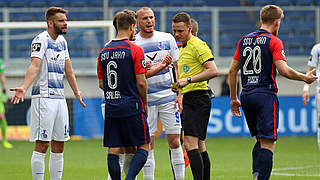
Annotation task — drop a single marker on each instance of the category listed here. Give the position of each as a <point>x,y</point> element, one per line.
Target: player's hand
<point>79,97</point>
<point>166,61</point>
<point>148,65</point>
<point>305,97</point>
<point>182,82</point>
<point>310,77</point>
<point>178,102</point>
<point>145,107</point>
<point>235,107</point>
<point>19,95</point>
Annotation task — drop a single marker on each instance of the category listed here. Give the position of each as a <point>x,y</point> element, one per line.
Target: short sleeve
<point>204,52</point>
<point>67,50</point>
<point>174,50</point>
<point>138,60</point>
<point>277,49</point>
<point>237,53</point>
<point>99,69</point>
<point>38,47</point>
<point>314,56</point>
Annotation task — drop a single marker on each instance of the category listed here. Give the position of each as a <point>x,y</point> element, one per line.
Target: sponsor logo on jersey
<point>283,54</point>
<point>35,47</point>
<point>186,68</point>
<point>152,58</point>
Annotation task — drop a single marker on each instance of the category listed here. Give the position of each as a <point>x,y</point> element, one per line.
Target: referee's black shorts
<point>196,113</point>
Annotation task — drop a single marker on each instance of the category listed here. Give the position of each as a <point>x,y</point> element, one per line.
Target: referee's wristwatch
<point>189,80</point>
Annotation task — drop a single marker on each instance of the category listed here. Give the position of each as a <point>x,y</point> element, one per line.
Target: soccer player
<point>313,64</point>
<point>49,113</point>
<point>121,72</point>
<point>195,27</point>
<point>159,46</point>
<point>258,55</point>
<point>195,67</point>
<point>3,99</point>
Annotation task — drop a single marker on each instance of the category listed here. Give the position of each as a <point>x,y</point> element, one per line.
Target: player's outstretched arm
<point>305,91</point>
<point>72,81</point>
<point>290,73</point>
<point>29,78</point>
<point>232,79</point>
<point>153,70</point>
<point>142,89</point>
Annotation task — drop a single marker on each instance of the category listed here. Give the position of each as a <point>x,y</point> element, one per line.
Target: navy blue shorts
<point>262,114</point>
<point>126,131</point>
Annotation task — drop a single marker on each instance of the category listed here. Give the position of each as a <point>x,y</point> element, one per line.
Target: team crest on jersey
<point>35,47</point>
<point>283,54</point>
<point>186,68</point>
<point>44,134</point>
<point>143,63</point>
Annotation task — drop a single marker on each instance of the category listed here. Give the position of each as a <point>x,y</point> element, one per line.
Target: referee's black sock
<point>196,164</point>
<point>265,162</point>
<point>114,167</point>
<point>255,152</point>
<point>206,165</point>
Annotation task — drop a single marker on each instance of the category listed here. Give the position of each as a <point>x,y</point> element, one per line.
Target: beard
<point>57,30</point>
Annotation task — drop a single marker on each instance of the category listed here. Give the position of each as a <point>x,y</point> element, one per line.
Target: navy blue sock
<point>114,167</point>
<point>265,161</point>
<point>255,152</point>
<point>196,164</point>
<point>136,164</point>
<point>206,165</point>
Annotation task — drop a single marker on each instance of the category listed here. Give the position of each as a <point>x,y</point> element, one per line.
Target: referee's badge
<point>186,68</point>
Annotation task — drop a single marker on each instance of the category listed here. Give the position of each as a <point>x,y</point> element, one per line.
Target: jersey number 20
<point>254,57</point>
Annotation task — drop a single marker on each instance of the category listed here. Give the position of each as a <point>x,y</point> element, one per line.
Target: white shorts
<point>49,120</point>
<point>170,118</point>
<point>318,103</point>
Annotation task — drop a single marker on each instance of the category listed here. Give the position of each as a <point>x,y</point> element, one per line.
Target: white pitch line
<point>300,175</point>
<point>295,168</point>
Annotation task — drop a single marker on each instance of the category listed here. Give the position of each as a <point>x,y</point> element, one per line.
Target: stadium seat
<point>59,3</point>
<point>38,3</point>
<point>223,3</point>
<point>177,3</point>
<point>4,3</point>
<point>17,3</point>
<point>304,2</point>
<point>95,3</point>
<point>196,3</point>
<point>158,3</point>
<point>79,3</point>
<point>139,3</point>
<point>118,3</point>
<point>284,3</point>
<point>263,2</point>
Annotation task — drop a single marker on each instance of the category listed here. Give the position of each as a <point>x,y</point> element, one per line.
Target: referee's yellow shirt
<point>190,63</point>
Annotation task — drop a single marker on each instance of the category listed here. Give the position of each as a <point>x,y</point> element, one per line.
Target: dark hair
<point>51,11</point>
<point>270,13</point>
<point>182,17</point>
<point>124,19</point>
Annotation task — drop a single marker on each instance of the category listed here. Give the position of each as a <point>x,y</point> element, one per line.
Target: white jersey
<point>314,60</point>
<point>53,53</point>
<point>156,49</point>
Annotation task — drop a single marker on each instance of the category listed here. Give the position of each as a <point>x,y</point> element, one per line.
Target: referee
<point>195,67</point>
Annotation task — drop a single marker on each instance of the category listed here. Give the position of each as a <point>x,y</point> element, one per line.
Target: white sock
<point>148,168</point>
<point>56,165</point>
<point>37,165</point>
<point>177,161</point>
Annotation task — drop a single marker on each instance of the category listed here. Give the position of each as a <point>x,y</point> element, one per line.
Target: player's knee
<point>57,146</point>
<point>174,143</point>
<point>41,146</point>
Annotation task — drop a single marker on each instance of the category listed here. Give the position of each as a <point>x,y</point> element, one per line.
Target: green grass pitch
<point>295,158</point>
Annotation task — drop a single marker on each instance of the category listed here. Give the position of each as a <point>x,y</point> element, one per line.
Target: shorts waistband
<point>196,93</point>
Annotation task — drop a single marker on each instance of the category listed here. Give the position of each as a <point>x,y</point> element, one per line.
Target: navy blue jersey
<point>118,63</point>
<point>257,52</point>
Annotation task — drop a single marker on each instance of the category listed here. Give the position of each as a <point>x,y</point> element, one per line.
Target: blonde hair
<point>270,13</point>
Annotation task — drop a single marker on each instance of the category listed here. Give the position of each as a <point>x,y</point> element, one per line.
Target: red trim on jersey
<point>99,70</point>
<point>275,47</point>
<point>237,53</point>
<point>144,129</point>
<point>115,47</point>
<point>274,121</point>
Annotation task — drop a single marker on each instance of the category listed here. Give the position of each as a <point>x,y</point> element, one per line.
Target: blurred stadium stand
<point>221,23</point>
